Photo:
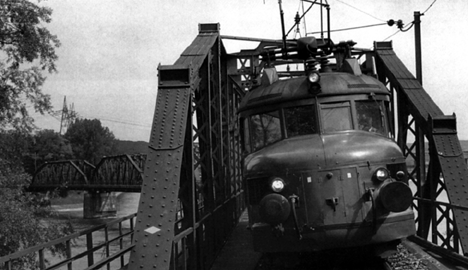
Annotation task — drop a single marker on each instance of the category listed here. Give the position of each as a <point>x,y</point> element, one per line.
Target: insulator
<point>297,19</point>
<point>310,64</point>
<point>324,64</point>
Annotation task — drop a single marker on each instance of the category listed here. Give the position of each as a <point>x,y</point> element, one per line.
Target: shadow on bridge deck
<point>238,252</point>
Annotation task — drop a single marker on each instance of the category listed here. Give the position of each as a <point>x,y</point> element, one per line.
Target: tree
<point>28,49</point>
<point>90,140</point>
<point>21,213</point>
<point>50,145</point>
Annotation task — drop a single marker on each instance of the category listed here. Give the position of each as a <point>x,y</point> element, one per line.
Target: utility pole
<point>417,41</point>
<point>64,114</point>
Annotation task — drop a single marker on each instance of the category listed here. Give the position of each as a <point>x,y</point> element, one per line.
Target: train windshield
<point>336,117</point>
<point>263,129</point>
<point>300,120</point>
<point>371,116</point>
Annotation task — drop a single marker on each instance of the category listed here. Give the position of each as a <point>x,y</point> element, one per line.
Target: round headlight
<point>381,174</point>
<point>277,184</point>
<point>314,77</point>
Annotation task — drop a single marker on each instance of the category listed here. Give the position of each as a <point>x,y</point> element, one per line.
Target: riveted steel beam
<point>191,194</point>
<point>439,166</point>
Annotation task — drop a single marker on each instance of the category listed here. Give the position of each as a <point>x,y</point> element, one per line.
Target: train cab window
<point>300,120</point>
<point>371,116</point>
<point>336,117</point>
<point>265,129</point>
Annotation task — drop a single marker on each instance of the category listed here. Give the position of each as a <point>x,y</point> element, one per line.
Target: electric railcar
<point>321,169</point>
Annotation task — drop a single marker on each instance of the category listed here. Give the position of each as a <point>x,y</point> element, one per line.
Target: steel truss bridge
<point>114,173</point>
<point>190,202</point>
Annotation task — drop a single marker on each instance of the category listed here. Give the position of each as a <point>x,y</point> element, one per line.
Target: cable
<point>352,28</point>
<point>429,7</point>
<point>121,122</point>
<point>398,31</point>
<point>408,27</point>
<point>361,11</point>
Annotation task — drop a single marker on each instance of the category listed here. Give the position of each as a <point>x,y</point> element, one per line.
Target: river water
<point>127,204</point>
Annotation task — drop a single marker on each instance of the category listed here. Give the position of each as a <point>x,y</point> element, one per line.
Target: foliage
<point>50,145</point>
<point>90,140</point>
<point>28,49</point>
<point>21,216</point>
<point>28,151</point>
<point>13,145</point>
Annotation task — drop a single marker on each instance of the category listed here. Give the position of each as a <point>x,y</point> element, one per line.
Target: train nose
<point>395,196</point>
<point>274,208</point>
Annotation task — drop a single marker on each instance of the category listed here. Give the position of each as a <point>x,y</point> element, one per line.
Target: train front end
<point>321,168</point>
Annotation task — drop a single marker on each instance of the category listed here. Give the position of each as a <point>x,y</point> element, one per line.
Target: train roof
<point>332,83</point>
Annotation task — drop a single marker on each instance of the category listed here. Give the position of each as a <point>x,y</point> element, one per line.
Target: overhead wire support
<point>322,5</point>
<point>351,28</point>
<point>282,27</point>
<point>300,18</point>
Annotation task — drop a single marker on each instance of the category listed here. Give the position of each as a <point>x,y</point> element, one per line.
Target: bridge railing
<point>103,245</point>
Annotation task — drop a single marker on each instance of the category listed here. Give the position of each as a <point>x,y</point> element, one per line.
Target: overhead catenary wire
<point>351,28</point>
<point>57,118</point>
<point>360,10</point>
<point>429,7</point>
<point>120,121</point>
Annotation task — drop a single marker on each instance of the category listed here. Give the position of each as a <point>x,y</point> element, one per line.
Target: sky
<point>111,49</point>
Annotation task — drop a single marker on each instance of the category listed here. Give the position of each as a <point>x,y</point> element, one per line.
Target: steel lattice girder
<point>440,130</point>
<point>176,207</point>
<point>114,173</point>
<point>67,174</point>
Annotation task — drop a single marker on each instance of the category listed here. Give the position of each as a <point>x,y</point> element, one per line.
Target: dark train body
<point>321,169</point>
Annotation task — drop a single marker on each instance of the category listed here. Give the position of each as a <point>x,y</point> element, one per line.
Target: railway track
<point>409,256</point>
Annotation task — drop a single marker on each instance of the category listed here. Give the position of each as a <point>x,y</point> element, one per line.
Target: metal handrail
<point>8,259</point>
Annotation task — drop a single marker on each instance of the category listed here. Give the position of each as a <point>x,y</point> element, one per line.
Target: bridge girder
<point>113,173</point>
<point>192,192</point>
<point>428,139</point>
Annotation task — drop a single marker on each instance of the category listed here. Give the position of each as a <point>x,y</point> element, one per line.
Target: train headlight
<point>314,82</point>
<point>277,184</point>
<point>313,77</point>
<point>381,174</point>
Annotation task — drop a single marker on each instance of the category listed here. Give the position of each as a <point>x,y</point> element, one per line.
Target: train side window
<point>336,117</point>
<point>371,116</point>
<point>265,129</point>
<point>246,136</point>
<point>300,120</point>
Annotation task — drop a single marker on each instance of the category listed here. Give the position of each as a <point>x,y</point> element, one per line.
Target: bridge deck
<point>238,252</point>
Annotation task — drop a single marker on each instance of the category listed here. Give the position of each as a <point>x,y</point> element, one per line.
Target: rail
<point>122,241</point>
